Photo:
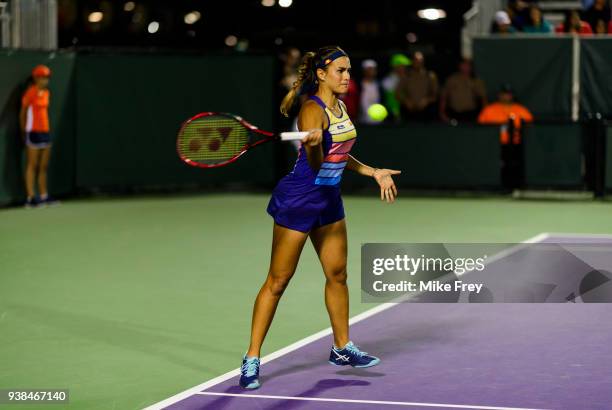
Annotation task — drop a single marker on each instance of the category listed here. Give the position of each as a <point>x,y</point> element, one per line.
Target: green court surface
<point>128,301</point>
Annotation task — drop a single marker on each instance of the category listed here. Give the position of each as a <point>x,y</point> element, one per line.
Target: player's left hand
<point>388,191</point>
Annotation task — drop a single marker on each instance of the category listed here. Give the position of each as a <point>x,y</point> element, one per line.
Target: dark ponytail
<point>305,76</point>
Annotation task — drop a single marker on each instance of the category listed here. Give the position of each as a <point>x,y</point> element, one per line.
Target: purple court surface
<point>442,356</point>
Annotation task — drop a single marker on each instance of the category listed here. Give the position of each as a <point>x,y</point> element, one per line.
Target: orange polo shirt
<point>500,113</point>
<point>36,102</point>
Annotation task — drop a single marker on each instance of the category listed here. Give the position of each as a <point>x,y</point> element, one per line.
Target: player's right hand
<point>313,138</point>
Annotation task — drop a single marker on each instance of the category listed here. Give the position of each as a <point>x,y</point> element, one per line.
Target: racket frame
<point>270,136</point>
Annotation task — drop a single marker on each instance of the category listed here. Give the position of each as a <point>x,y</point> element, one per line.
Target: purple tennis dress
<point>305,199</point>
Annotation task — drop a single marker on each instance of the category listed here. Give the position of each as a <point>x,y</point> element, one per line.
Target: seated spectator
<point>601,27</point>
<point>502,23</point>
<point>418,91</point>
<point>600,10</point>
<point>574,25</point>
<point>463,95</point>
<point>502,111</point>
<point>370,90</point>
<point>518,11</point>
<point>536,23</point>
<point>398,64</point>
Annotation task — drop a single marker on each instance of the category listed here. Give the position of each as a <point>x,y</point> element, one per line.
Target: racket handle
<point>290,136</point>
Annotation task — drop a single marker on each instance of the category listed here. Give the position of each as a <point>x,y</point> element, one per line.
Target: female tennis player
<point>307,202</point>
<point>34,124</point>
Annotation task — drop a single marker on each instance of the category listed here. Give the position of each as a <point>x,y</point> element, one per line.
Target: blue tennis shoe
<point>33,202</point>
<point>49,200</point>
<point>350,355</point>
<point>249,373</point>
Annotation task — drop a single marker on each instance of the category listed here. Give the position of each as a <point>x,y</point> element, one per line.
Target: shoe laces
<point>249,368</point>
<point>355,350</point>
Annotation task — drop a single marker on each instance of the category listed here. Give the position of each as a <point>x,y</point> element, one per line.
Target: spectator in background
<point>370,90</point>
<point>351,99</point>
<point>600,10</point>
<point>502,111</point>
<point>398,64</point>
<point>601,27</point>
<point>463,95</point>
<point>572,24</point>
<point>518,12</point>
<point>417,92</point>
<point>510,115</point>
<point>291,59</point>
<point>502,23</point>
<point>34,125</point>
<point>537,23</point>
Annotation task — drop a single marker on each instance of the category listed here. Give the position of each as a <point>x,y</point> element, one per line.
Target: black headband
<point>330,58</point>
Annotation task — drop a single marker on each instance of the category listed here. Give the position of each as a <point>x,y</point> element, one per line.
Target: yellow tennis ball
<point>377,112</point>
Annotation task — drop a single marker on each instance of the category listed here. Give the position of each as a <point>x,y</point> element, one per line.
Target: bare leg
<point>330,243</point>
<point>32,156</point>
<point>287,246</point>
<point>42,171</point>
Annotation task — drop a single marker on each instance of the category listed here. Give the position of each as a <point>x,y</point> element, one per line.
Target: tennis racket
<point>215,139</point>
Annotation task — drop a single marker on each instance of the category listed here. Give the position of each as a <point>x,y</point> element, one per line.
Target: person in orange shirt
<point>34,124</point>
<point>510,116</point>
<point>502,111</point>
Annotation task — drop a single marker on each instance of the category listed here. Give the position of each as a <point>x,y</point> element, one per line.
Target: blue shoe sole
<point>251,386</point>
<point>372,363</point>
<point>363,366</point>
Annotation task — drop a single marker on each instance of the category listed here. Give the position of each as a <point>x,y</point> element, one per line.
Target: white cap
<point>368,64</point>
<point>501,17</point>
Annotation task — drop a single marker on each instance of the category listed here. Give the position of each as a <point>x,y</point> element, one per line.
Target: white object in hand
<point>293,135</point>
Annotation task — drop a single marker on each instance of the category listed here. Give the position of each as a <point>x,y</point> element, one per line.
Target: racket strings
<point>212,139</point>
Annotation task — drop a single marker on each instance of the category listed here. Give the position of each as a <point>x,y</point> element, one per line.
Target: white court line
<point>581,235</point>
<point>274,355</point>
<point>507,252</point>
<point>378,402</point>
<point>538,238</point>
<point>288,349</point>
